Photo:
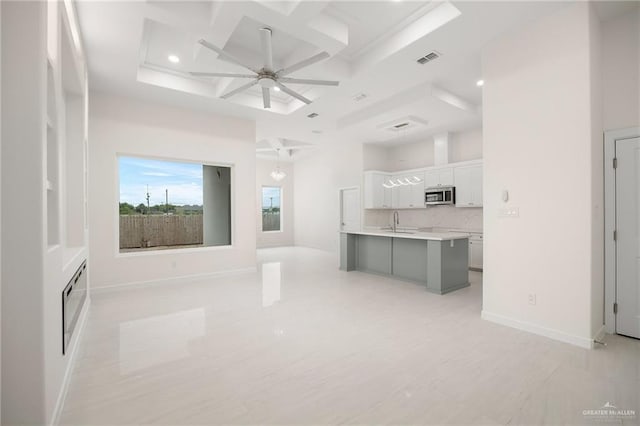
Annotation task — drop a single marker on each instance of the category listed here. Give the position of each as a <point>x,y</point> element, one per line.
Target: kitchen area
<point>421,212</point>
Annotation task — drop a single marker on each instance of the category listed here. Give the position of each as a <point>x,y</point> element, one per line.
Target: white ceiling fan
<point>266,76</point>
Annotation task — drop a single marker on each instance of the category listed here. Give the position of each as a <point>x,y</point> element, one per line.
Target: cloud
<point>160,174</point>
<point>182,180</point>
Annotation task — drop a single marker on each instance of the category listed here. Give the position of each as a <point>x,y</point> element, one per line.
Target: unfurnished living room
<point>328,212</point>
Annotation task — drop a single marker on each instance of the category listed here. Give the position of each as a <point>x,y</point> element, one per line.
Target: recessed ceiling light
<point>276,88</point>
<point>173,59</point>
<point>480,83</point>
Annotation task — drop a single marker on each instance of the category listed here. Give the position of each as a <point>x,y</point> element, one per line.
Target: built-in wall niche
<point>52,155</point>
<point>74,142</point>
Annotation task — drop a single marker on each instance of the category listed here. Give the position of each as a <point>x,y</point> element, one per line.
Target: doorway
<point>350,209</point>
<point>622,227</point>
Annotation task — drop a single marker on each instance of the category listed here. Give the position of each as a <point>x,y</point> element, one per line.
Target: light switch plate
<point>512,212</point>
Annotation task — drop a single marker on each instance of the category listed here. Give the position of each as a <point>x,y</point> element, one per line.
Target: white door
<point>350,209</point>
<point>628,237</point>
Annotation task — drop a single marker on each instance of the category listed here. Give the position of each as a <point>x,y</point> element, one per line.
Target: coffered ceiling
<point>373,48</point>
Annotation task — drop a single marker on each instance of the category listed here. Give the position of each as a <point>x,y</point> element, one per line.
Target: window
<point>171,204</point>
<point>271,202</point>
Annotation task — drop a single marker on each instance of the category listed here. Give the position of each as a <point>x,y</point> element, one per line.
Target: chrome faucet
<point>396,220</point>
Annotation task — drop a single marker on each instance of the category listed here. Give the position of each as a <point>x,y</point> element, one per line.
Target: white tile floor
<point>303,343</point>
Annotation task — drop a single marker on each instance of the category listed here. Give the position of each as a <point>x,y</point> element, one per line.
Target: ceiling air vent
<point>428,57</point>
<point>359,97</point>
<point>312,115</point>
<point>404,124</point>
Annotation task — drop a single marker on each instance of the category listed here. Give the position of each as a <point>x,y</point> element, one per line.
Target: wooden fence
<point>270,221</point>
<point>159,230</point>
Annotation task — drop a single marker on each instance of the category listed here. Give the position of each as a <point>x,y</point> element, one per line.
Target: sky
<point>183,180</point>
<point>267,193</point>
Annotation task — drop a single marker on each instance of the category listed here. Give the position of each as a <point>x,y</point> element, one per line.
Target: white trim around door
<point>610,138</point>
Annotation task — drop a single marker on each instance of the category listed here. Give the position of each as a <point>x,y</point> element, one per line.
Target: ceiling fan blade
<point>290,92</point>
<point>225,55</point>
<point>220,74</point>
<point>267,51</point>
<point>239,89</point>
<point>295,67</point>
<point>306,81</point>
<point>266,97</point>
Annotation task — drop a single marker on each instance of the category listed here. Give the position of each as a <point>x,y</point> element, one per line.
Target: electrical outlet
<point>532,298</point>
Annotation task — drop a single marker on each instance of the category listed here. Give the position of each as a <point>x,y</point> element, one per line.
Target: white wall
<point>621,70</point>
<point>0,210</point>
<point>316,192</point>
<point>597,176</point>
<point>463,146</point>
<point>538,106</point>
<point>375,157</point>
<point>466,146</point>
<point>122,126</point>
<point>263,178</point>
<point>23,122</point>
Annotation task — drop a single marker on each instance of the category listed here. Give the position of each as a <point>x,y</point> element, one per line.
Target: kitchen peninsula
<point>439,261</point>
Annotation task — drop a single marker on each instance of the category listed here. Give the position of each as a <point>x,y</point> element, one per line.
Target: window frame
<point>158,252</point>
<point>281,210</point>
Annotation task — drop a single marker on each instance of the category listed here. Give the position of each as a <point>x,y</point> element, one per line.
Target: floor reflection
<point>159,339</point>
<point>270,283</point>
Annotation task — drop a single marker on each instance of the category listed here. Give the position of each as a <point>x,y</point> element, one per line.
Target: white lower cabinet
<point>376,196</point>
<point>475,252</point>
<point>468,186</point>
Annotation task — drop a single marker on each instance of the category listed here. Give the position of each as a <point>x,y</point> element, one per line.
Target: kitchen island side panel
<point>348,252</point>
<point>447,265</point>
<point>410,259</point>
<point>373,254</point>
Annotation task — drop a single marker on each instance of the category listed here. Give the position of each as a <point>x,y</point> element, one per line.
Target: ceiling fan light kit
<point>266,77</point>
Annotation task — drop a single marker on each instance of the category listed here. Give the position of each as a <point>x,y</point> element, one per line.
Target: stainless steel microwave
<point>440,195</point>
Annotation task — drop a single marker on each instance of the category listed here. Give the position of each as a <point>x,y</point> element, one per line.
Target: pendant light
<point>278,174</point>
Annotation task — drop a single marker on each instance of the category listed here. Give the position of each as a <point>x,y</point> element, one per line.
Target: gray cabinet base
<point>440,266</point>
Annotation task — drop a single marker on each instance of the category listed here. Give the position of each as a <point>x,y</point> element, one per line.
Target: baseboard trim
<point>599,336</point>
<point>171,280</point>
<point>539,330</point>
<point>66,379</point>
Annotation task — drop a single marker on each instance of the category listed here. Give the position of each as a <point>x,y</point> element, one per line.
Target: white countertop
<point>414,235</point>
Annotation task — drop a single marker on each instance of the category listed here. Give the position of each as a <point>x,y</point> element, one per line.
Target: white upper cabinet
<point>376,196</point>
<point>439,177</point>
<point>466,177</point>
<point>468,186</point>
<point>410,195</point>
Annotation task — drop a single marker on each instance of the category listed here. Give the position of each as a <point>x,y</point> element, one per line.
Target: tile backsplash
<point>436,216</point>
